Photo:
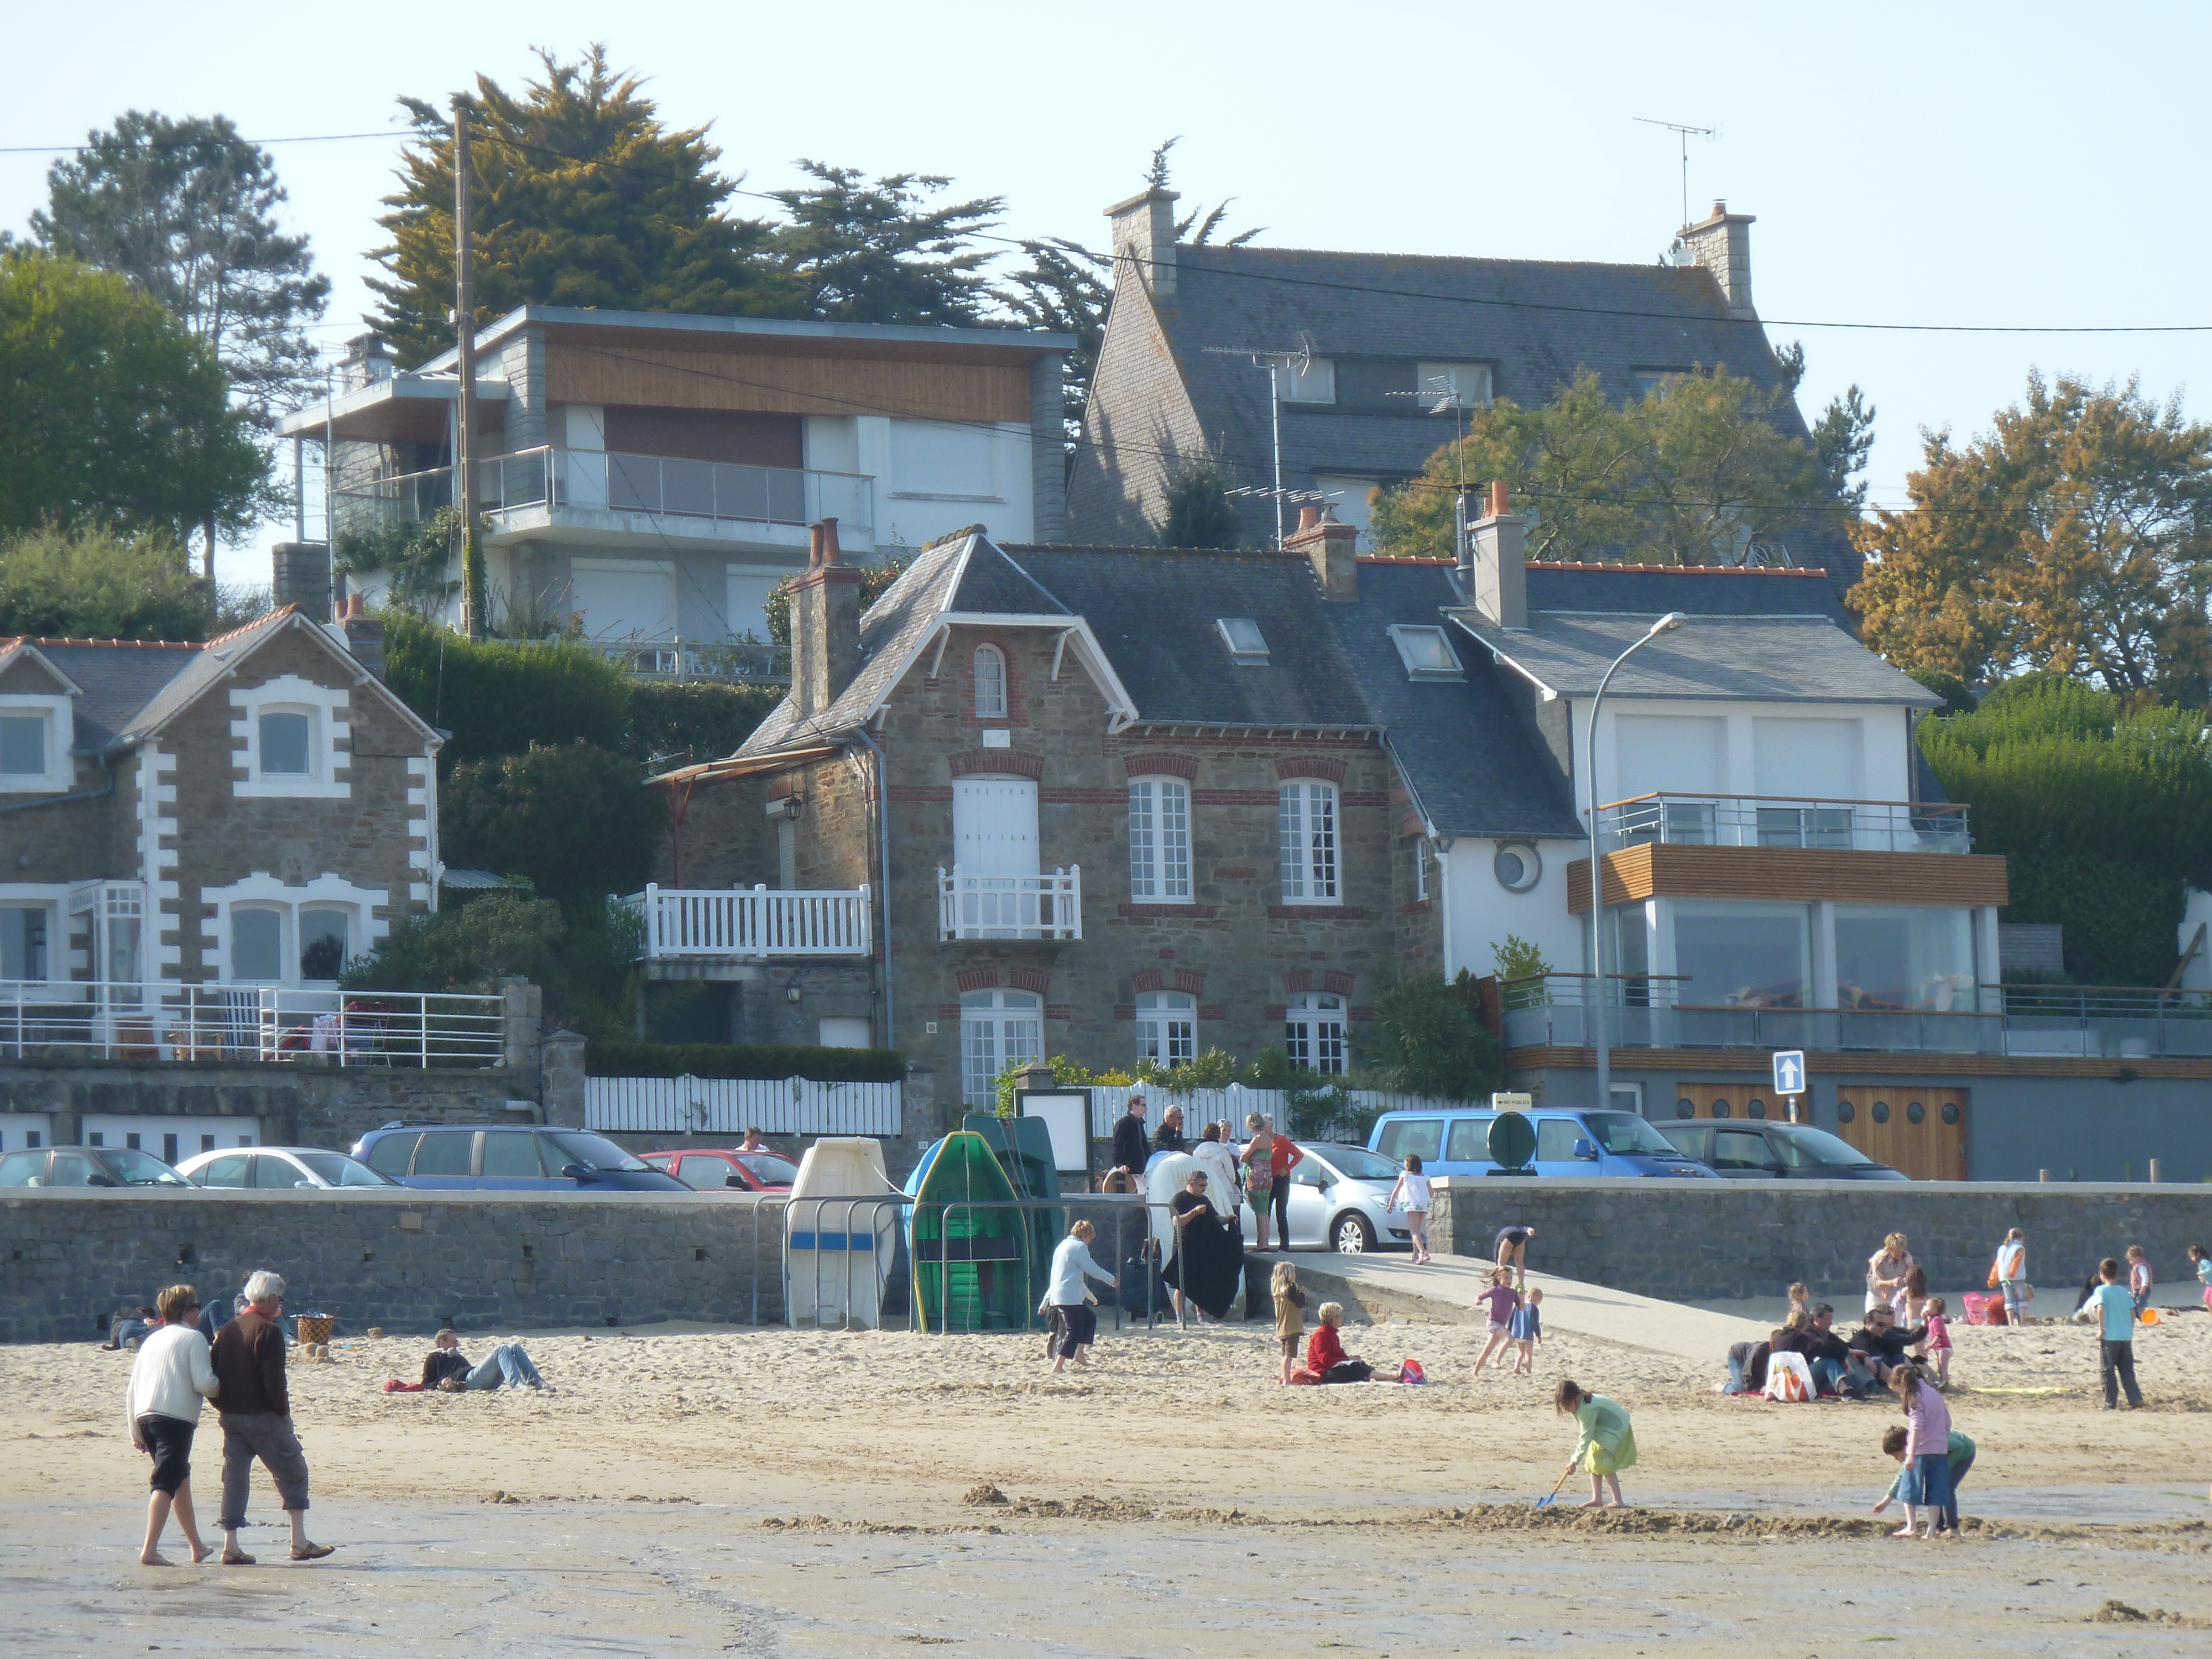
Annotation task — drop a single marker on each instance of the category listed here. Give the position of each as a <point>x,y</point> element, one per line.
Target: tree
<point>1199,513</point>
<point>91,583</point>
<point>581,196</point>
<point>1062,291</point>
<point>113,412</point>
<point>465,947</point>
<point>1427,1039</point>
<point>862,252</point>
<point>875,581</point>
<point>1842,438</point>
<point>1694,473</point>
<point>2075,536</point>
<point>577,821</point>
<point>187,210</point>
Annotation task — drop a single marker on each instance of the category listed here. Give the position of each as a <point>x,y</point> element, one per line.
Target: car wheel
<point>1352,1235</point>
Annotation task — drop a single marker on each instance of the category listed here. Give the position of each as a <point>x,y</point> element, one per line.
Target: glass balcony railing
<point>1874,826</point>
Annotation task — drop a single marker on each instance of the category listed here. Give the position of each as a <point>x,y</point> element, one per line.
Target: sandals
<point>239,1558</point>
<point>313,1551</point>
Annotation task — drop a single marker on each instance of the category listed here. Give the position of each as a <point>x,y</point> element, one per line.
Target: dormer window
<point>990,684</point>
<point>1308,380</point>
<point>1426,653</point>
<point>23,748</point>
<point>1248,645</point>
<point>1446,386</point>
<point>291,737</point>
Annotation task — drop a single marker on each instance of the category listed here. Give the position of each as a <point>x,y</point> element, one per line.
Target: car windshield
<point>1357,1162</point>
<point>1814,1149</point>
<point>136,1168</point>
<point>1624,1132</point>
<point>594,1151</point>
<point>336,1170</point>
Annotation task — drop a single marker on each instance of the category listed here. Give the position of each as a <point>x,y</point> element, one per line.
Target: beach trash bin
<point>1982,1309</point>
<point>314,1328</point>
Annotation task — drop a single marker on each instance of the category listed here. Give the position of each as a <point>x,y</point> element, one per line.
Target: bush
<point>92,583</point>
<point>704,719</point>
<point>500,697</point>
<point>1428,1038</point>
<point>2121,918</point>
<point>1200,512</point>
<point>574,821</point>
<point>610,1058</point>
<point>465,948</point>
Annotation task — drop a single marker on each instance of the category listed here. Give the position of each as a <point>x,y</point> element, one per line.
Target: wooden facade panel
<point>1880,1123</point>
<point>1799,873</point>
<point>659,377</point>
<point>1826,1067</point>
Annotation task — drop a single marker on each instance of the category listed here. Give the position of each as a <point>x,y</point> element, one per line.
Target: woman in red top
<point>1325,1355</point>
<point>1284,1157</point>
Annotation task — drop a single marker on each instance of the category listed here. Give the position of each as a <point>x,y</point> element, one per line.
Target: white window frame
<point>328,728</point>
<point>283,915</point>
<point>1422,856</point>
<point>1167,1028</point>
<point>1410,637</point>
<point>1309,823</point>
<point>60,729</point>
<point>1313,1031</point>
<point>1314,383</point>
<point>53,899</point>
<point>996,1029</point>
<point>1159,839</point>
<point>1471,385</point>
<point>985,708</point>
<point>263,892</point>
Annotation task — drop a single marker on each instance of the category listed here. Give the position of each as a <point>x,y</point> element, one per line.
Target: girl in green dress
<point>1607,1444</point>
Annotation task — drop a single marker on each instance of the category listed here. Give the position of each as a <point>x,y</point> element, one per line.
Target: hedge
<point>733,1061</point>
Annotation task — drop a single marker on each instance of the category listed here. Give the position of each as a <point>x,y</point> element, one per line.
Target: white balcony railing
<point>1866,826</point>
<point>84,1019</point>
<point>1010,907</point>
<point>699,923</point>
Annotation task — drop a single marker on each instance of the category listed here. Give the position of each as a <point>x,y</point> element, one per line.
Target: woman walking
<point>2010,1271</point>
<point>1069,1297</point>
<point>1885,1271</point>
<point>169,1379</point>
<point>1608,1443</point>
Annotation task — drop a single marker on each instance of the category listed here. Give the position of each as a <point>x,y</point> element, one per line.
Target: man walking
<point>256,1411</point>
<point>1130,1152</point>
<point>2114,1310</point>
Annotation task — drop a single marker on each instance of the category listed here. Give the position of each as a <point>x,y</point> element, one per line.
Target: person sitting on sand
<point>1326,1358</point>
<point>1825,1354</point>
<point>1607,1441</point>
<point>446,1369</point>
<point>1877,1345</point>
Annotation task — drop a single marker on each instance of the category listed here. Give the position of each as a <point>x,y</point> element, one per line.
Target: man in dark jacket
<point>1877,1345</point>
<point>256,1410</point>
<point>1825,1355</point>
<point>1130,1150</point>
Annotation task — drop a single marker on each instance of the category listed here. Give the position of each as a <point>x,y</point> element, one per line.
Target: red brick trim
<point>1275,1011</point>
<point>1298,979</point>
<point>1161,766</point>
<point>1189,982</point>
<point>1018,712</point>
<point>1081,796</point>
<point>1036,979</point>
<point>1059,1010</point>
<point>1148,979</point>
<point>1162,912</point>
<point>948,1010</point>
<point>1213,1011</point>
<point>1125,1011</point>
<point>1020,761</point>
<point>977,979</point>
<point>921,791</point>
<point>1329,766</point>
<point>1361,1016</point>
<point>1415,907</point>
<point>1315,913</point>
<point>1337,981</point>
<point>1235,798</point>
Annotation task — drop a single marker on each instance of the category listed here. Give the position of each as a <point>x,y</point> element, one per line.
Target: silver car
<point>279,1169</point>
<point>1338,1201</point>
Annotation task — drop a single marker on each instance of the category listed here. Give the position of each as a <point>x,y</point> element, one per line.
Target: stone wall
<point>1692,1240</point>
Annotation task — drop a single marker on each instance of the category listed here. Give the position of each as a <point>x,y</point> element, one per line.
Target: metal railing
<point>160,1021</point>
<point>728,1105</point>
<point>2117,1021</point>
<point>1041,907</point>
<point>689,660</point>
<point>503,483</point>
<point>1874,826</point>
<point>694,923</point>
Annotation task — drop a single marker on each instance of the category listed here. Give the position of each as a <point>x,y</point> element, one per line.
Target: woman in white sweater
<point>171,1375</point>
<point>1072,1264</point>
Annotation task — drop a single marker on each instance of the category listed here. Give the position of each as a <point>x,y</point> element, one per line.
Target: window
<point>286,737</point>
<point>23,747</point>
<point>990,684</point>
<point>1417,867</point>
<point>226,1171</point>
<point>511,1157</point>
<point>1517,866</point>
<point>1649,381</point>
<point>1446,386</point>
<point>1159,841</point>
<point>1904,956</point>
<point>445,1152</point>
<point>1742,956</point>
<point>23,930</point>
<point>1420,1137</point>
<point>1308,380</point>
<point>294,736</point>
<point>1470,1140</point>
<point>392,1153</point>
<point>257,944</point>
<point>1167,1028</point>
<point>34,742</point>
<point>325,934</point>
<point>1308,824</point>
<point>1555,1140</point>
<point>1248,645</point>
<point>998,1029</point>
<point>1426,653</point>
<point>1313,1032</point>
<point>1739,1149</point>
<point>275,1174</point>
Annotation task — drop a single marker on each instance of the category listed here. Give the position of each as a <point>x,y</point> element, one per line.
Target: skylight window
<point>1247,644</point>
<point>1426,653</point>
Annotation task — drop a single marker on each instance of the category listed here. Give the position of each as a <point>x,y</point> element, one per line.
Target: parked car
<point>520,1157</point>
<point>86,1166</point>
<point>1337,1201</point>
<point>1569,1142</point>
<point>280,1169</point>
<point>726,1170</point>
<point>1746,1151</point>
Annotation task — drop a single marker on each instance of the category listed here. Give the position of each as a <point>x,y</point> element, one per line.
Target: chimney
<point>1327,546</point>
<point>367,360</point>
<point>1497,543</point>
<point>1722,245</point>
<point>825,624</point>
<point>301,576</point>
<point>364,636</point>
<point>1144,233</point>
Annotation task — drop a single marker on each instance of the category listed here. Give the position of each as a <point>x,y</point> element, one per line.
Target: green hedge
<point>730,1060</point>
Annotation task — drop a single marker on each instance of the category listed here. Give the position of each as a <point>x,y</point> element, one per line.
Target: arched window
<point>990,683</point>
<point>1313,1030</point>
<point>998,1029</point>
<point>326,941</point>
<point>1167,1028</point>
<point>1159,841</point>
<point>1308,820</point>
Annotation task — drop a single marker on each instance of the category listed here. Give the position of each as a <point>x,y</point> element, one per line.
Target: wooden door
<point>1920,1131</point>
<point>1751,1101</point>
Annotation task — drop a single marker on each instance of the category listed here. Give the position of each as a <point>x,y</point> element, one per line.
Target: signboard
<point>1511,1103</point>
<point>1789,1070</point>
<point>1066,1116</point>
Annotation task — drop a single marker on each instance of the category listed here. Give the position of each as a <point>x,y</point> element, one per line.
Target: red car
<point>716,1170</point>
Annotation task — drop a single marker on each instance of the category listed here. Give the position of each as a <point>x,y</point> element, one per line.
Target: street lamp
<point>1666,624</point>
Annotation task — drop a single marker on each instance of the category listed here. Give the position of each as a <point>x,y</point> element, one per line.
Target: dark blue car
<point>519,1158</point>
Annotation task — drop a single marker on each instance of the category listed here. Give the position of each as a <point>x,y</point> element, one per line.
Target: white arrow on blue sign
<point>1789,1070</point>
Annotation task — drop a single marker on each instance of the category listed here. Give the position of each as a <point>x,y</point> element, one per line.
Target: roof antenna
<point>1300,360</point>
<point>1683,132</point>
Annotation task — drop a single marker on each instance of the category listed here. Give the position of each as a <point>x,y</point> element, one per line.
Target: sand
<point>769,1491</point>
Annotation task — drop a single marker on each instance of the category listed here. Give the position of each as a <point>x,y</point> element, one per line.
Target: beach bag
<point>1301,1377</point>
<point>1789,1379</point>
<point>1411,1371</point>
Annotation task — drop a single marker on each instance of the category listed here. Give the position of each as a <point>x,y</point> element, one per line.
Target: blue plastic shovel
<point>1545,1502</point>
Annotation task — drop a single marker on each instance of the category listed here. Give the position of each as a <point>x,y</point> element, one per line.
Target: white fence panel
<point>724,1105</point>
<point>1203,1106</point>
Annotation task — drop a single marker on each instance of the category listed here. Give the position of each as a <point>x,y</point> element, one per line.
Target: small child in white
<point>1527,1325</point>
<point>1412,1195</point>
<point>1938,1341</point>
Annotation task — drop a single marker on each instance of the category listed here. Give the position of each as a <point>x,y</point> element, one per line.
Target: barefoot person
<point>1070,1296</point>
<point>169,1379</point>
<point>1511,1249</point>
<point>1607,1444</point>
<point>256,1420</point>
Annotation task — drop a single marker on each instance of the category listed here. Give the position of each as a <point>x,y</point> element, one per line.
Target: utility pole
<point>464,423</point>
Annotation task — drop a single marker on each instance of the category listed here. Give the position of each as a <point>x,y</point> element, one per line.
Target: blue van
<point>1456,1142</point>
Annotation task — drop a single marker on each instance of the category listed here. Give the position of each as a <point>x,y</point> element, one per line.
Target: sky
<point>2016,165</point>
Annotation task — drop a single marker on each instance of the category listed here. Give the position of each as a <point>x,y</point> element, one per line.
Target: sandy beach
<point>768,1491</point>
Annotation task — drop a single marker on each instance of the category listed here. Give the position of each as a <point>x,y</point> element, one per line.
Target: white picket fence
<point>724,1105</point>
<point>1203,1106</point>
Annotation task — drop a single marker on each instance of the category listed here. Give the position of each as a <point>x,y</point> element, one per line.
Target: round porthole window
<point>1757,1109</point>
<point>1881,1111</point>
<point>1951,1111</point>
<point>1915,1113</point>
<point>1846,1111</point>
<point>1722,1109</point>
<point>1686,1109</point>
<point>1517,865</point>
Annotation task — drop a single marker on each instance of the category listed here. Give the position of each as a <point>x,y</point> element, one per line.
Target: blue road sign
<point>1789,1070</point>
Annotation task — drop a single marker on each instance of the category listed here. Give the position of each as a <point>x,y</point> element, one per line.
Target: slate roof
<point>1701,589</point>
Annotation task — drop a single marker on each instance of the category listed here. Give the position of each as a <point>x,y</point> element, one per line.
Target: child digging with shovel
<point>1607,1444</point>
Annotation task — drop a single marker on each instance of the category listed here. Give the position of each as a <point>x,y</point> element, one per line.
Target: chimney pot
<point>831,554</point>
<point>814,547</point>
<point>1499,506</point>
<point>365,637</point>
<point>1331,548</point>
<point>1308,516</point>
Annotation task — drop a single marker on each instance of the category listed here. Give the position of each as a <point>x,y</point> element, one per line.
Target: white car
<point>1338,1201</point>
<point>279,1169</point>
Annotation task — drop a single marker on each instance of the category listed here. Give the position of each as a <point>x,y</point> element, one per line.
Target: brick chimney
<point>364,636</point>
<point>825,624</point>
<point>1721,244</point>
<point>1327,546</point>
<point>1144,233</point>
<point>1497,544</point>
<point>301,576</point>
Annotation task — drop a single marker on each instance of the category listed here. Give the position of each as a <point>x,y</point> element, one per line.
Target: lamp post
<point>1666,624</point>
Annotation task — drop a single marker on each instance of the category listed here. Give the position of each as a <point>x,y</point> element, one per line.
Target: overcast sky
<point>2026,165</point>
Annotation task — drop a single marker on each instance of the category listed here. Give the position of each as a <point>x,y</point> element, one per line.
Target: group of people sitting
<point>1834,1367</point>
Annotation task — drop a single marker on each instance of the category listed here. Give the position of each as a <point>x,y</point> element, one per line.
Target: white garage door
<point>624,598</point>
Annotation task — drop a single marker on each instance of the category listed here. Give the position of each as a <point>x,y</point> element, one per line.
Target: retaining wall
<point>1694,1240</point>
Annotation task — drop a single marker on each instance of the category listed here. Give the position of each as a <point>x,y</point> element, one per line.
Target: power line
<point>194,144</point>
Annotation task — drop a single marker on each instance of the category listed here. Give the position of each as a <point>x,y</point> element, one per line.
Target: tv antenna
<point>1684,132</point>
<point>1275,362</point>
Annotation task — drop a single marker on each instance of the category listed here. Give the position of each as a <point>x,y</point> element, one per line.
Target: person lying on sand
<point>446,1369</point>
